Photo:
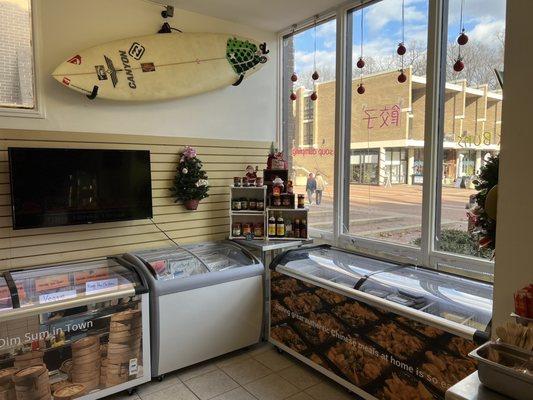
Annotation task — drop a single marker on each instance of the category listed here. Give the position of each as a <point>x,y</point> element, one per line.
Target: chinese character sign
<point>382,117</point>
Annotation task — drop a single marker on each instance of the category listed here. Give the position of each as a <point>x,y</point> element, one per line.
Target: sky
<point>483,20</point>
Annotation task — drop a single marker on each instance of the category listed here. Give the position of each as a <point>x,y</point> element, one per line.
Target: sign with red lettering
<point>382,117</point>
<point>311,151</point>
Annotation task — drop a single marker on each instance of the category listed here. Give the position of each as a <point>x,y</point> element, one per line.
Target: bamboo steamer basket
<point>70,392</point>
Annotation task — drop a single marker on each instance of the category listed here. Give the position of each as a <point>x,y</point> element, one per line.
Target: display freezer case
<point>206,300</point>
<point>380,329</point>
<point>79,328</point>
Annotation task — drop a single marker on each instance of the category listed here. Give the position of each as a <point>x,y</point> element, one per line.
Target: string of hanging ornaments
<point>315,75</point>
<point>294,77</point>
<point>361,62</point>
<point>401,50</point>
<point>462,39</point>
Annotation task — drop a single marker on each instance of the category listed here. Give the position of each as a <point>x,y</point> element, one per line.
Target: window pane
<point>16,56</point>
<point>472,122</point>
<point>387,121</point>
<point>309,126</point>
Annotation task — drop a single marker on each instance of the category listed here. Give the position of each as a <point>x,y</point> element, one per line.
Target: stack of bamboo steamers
<point>32,383</point>
<point>124,346</point>
<point>86,362</point>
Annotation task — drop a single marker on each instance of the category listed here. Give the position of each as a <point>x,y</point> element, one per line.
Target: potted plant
<point>190,183</point>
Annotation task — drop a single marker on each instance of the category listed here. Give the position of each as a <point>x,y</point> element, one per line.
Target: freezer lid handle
<point>277,259</point>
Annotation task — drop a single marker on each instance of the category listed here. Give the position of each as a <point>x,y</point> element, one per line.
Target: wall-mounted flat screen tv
<point>55,187</point>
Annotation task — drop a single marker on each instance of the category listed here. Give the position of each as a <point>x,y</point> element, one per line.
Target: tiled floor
<point>259,373</point>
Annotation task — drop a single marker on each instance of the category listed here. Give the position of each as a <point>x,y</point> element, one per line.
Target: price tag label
<point>58,296</point>
<point>104,285</point>
<point>134,367</point>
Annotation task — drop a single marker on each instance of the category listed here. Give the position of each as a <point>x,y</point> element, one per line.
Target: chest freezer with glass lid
<point>82,323</point>
<point>206,300</point>
<point>376,327</point>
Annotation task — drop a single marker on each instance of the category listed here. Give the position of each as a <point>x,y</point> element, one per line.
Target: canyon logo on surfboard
<point>162,66</point>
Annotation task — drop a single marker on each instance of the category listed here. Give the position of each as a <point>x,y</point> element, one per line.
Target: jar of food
<point>290,187</point>
<point>237,181</point>
<point>259,181</point>
<point>237,229</point>
<point>245,181</point>
<point>277,187</point>
<point>276,201</point>
<point>260,205</point>
<point>246,229</point>
<point>259,230</point>
<point>301,201</point>
<point>244,204</point>
<point>252,204</point>
<point>236,205</point>
<point>286,201</point>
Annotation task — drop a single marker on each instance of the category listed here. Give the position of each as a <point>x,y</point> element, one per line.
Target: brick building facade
<point>16,66</point>
<point>387,130</point>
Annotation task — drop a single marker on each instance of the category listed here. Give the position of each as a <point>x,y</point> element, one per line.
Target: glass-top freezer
<point>171,263</point>
<point>334,265</point>
<point>456,299</point>
<point>71,281</point>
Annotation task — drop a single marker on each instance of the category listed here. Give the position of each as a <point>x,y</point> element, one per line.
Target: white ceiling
<point>270,15</point>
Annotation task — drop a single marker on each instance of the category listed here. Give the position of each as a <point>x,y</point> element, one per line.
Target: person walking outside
<point>320,187</point>
<point>310,187</point>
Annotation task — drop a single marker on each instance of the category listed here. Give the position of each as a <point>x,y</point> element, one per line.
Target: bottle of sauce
<point>280,227</point>
<point>303,229</point>
<point>288,228</point>
<point>272,226</point>
<point>296,228</point>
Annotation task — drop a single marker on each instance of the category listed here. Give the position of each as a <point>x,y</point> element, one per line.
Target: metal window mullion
<point>434,119</point>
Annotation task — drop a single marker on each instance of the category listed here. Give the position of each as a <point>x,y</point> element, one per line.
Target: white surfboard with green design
<point>161,66</point>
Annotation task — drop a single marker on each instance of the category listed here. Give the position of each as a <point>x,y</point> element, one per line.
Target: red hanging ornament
<point>462,39</point>
<point>294,77</point>
<point>293,96</point>
<point>402,77</point>
<point>459,65</point>
<point>314,96</point>
<point>315,76</point>
<point>360,89</point>
<point>401,49</point>
<point>360,63</point>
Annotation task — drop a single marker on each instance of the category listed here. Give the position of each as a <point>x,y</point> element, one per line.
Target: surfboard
<point>162,66</point>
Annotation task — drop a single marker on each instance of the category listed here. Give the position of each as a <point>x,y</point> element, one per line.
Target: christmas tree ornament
<point>402,77</point>
<point>459,65</point>
<point>462,39</point>
<point>315,76</point>
<point>294,77</point>
<point>360,63</point>
<point>314,96</point>
<point>401,49</point>
<point>360,88</point>
<point>293,96</point>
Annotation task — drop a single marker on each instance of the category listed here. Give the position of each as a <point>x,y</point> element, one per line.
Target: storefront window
<point>472,120</point>
<point>309,125</point>
<point>386,122</point>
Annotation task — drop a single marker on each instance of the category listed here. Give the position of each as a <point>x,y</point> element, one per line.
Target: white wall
<point>514,250</point>
<point>66,26</point>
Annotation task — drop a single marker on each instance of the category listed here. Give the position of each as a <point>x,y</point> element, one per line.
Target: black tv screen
<point>54,187</point>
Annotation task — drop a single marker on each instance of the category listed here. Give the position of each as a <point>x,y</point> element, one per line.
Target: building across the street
<point>387,130</point>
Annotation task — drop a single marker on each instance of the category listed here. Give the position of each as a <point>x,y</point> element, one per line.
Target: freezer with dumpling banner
<point>206,301</point>
<point>78,330</point>
<point>385,331</point>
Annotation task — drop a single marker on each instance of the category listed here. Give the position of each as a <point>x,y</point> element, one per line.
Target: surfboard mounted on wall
<point>162,66</point>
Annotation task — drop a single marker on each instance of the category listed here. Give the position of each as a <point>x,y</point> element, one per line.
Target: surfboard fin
<point>93,94</point>
<point>239,81</point>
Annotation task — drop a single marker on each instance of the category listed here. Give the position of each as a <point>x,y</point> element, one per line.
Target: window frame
<point>427,254</point>
<point>38,111</point>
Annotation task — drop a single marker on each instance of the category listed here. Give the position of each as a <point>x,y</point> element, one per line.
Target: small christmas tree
<point>190,183</point>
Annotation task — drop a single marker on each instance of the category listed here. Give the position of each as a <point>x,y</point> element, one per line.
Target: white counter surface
<point>471,388</point>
